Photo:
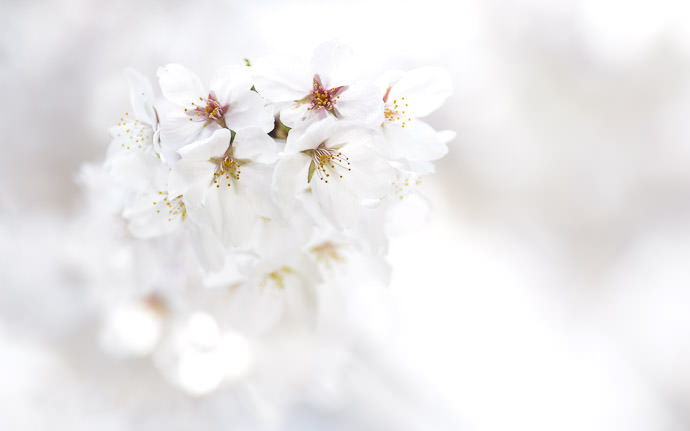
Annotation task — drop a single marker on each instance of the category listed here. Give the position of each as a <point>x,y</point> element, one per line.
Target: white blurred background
<point>550,289</point>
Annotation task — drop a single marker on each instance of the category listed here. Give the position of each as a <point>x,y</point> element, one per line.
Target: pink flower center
<point>208,110</point>
<point>324,99</point>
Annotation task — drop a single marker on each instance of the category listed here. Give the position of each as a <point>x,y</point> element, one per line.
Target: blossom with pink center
<point>324,99</point>
<point>325,88</point>
<point>195,112</point>
<point>208,112</point>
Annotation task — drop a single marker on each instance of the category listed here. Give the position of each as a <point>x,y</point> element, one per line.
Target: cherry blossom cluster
<point>276,180</point>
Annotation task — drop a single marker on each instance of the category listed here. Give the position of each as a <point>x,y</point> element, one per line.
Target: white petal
<point>346,132</point>
<point>338,201</point>
<point>419,167</point>
<point>191,179</point>
<point>281,240</point>
<point>332,62</point>
<point>248,109</point>
<point>254,144</point>
<point>213,146</point>
<point>276,92</point>
<point>416,141</point>
<point>149,216</point>
<point>139,171</point>
<point>131,136</point>
<point>446,136</point>
<point>255,182</point>
<point>424,89</point>
<point>298,114</point>
<point>179,84</point>
<point>177,130</point>
<point>231,215</point>
<point>311,137</point>
<point>229,80</point>
<point>191,176</point>
<point>207,247</point>
<point>371,175</point>
<point>141,96</point>
<point>289,179</point>
<point>388,78</point>
<point>361,102</point>
<point>278,83</point>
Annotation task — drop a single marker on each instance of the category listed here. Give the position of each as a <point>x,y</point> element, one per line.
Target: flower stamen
<point>134,134</point>
<point>324,99</point>
<point>395,112</point>
<point>208,110</point>
<point>328,253</point>
<point>276,278</point>
<point>175,206</point>
<point>228,169</point>
<point>325,160</point>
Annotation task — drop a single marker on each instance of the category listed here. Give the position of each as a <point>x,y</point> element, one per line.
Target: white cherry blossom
<point>227,185</point>
<point>325,88</point>
<point>408,97</point>
<point>228,103</point>
<point>136,145</point>
<point>332,161</point>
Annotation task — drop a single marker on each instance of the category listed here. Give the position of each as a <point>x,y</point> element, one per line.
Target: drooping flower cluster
<point>274,186</point>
